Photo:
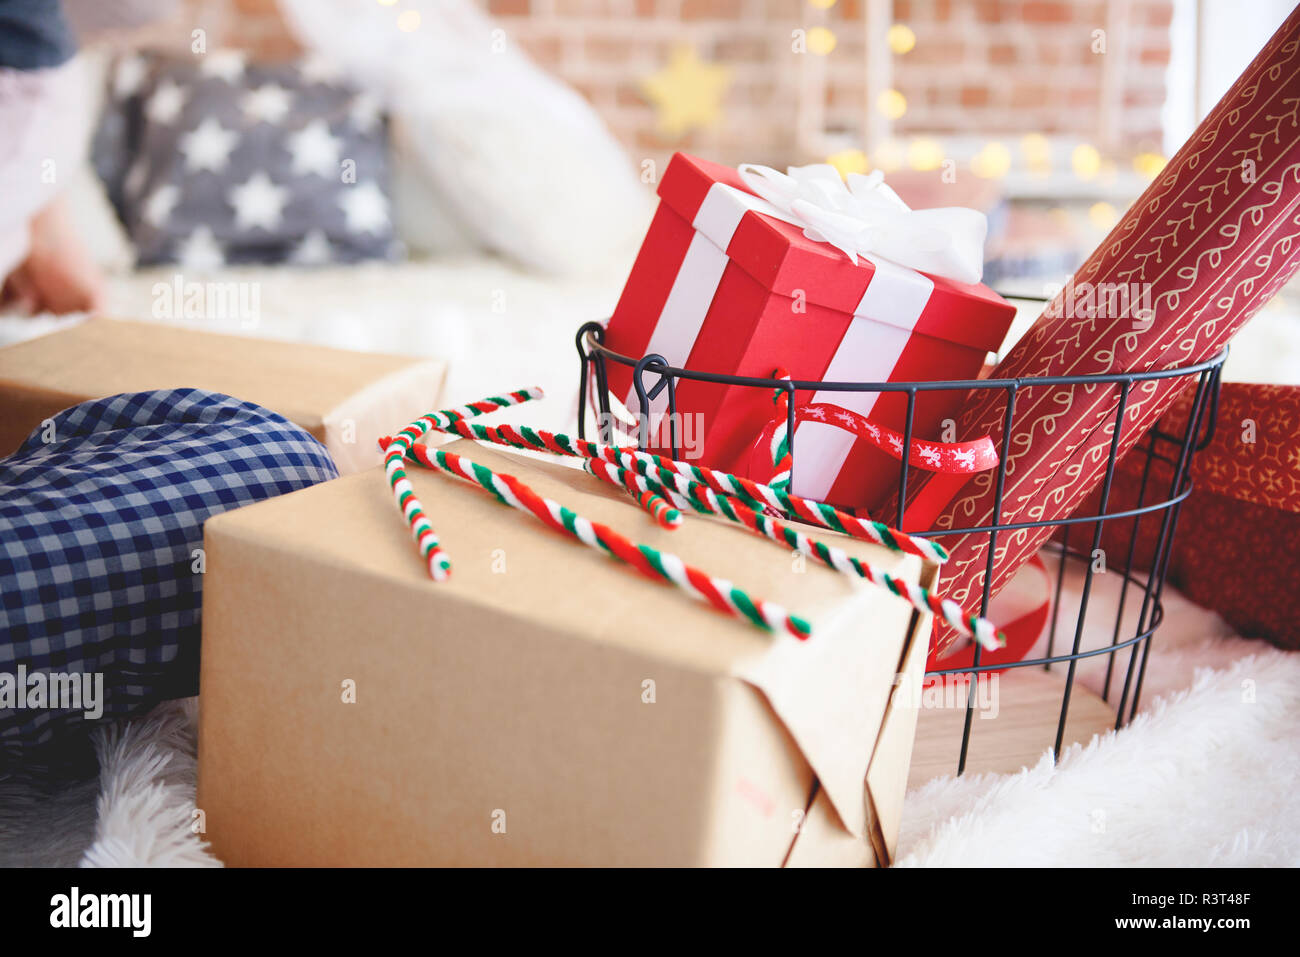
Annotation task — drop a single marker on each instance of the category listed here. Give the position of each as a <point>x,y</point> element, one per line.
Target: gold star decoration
<point>687,92</point>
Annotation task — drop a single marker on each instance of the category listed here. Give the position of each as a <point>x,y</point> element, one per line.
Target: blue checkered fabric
<point>101,530</point>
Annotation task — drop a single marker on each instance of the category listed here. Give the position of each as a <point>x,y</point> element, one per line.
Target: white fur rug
<point>136,813</point>
<point>1206,775</point>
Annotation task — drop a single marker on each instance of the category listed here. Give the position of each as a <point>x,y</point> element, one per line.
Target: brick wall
<point>977,67</point>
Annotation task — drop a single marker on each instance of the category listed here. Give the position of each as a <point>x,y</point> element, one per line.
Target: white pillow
<point>424,221</point>
<point>520,159</point>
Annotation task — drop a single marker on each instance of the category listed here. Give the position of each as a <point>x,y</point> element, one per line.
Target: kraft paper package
<point>344,399</point>
<point>546,704</point>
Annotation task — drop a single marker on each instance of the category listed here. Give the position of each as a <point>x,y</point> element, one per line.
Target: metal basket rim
<point>657,365</point>
<point>588,332</point>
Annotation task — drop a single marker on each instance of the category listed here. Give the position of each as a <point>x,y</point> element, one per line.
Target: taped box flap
<point>832,692</point>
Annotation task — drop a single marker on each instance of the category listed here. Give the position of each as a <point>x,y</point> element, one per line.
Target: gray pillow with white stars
<point>211,159</point>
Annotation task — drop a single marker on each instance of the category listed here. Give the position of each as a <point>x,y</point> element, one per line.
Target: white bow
<point>865,217</point>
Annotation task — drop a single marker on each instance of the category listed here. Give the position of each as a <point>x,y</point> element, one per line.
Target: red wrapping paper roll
<point>1204,247</point>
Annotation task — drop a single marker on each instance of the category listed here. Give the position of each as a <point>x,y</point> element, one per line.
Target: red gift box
<point>1238,533</point>
<point>725,283</point>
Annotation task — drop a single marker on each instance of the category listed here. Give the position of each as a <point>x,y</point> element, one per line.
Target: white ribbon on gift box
<point>863,218</point>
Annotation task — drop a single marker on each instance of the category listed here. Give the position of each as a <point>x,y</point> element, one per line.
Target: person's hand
<point>58,275</point>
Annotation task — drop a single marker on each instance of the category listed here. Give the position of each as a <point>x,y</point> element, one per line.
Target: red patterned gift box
<point>1237,545</point>
<point>729,282</point>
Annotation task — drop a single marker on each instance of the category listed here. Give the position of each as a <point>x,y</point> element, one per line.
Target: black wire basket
<point>652,375</point>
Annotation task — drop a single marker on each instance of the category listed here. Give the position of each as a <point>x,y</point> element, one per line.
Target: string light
<point>992,162</point>
<point>849,161</point>
<point>821,41</point>
<point>1038,152</point>
<point>1149,164</point>
<point>891,103</point>
<point>1085,161</point>
<point>1102,215</point>
<point>901,38</point>
<point>924,153</point>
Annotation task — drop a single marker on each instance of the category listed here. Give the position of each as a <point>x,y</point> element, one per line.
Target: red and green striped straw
<point>650,562</point>
<point>426,539</point>
<point>754,494</point>
<point>662,486</point>
<point>706,501</point>
<point>779,446</point>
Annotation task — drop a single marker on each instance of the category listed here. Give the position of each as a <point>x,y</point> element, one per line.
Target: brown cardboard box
<point>546,705</point>
<point>345,399</point>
